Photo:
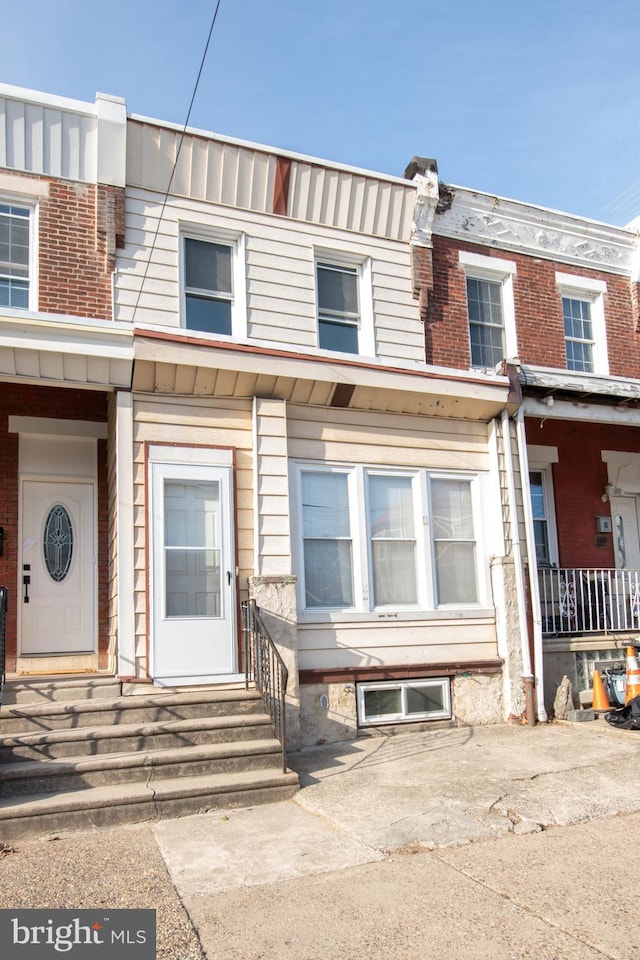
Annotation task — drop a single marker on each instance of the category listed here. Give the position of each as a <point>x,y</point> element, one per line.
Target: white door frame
<point>178,462</point>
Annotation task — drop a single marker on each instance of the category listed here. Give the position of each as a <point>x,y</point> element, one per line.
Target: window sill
<point>396,616</point>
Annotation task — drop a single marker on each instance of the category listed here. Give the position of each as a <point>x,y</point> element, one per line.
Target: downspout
<point>534,587</point>
<point>527,677</point>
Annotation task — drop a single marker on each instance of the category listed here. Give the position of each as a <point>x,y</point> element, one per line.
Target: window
<point>545,538</point>
<point>214,287</point>
<point>492,333</point>
<point>486,325</point>
<point>454,541</point>
<point>578,332</point>
<point>338,307</point>
<point>327,540</point>
<point>584,323</point>
<point>393,702</point>
<point>368,539</point>
<point>14,256</point>
<point>540,520</point>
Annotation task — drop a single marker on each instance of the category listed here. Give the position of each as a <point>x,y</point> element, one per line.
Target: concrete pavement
<point>492,843</point>
<point>374,857</point>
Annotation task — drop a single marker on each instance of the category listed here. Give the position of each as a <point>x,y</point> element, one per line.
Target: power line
<point>177,157</point>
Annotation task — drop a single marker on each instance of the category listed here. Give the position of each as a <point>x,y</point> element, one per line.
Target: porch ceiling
<point>187,369</point>
<point>64,350</point>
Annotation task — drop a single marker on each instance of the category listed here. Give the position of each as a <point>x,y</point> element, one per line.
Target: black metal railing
<point>266,668</point>
<point>3,637</point>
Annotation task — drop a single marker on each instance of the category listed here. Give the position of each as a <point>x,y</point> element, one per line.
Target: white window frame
<point>237,244</point>
<point>27,203</point>
<point>365,323</point>
<point>362,571</point>
<point>593,292</point>
<point>403,716</point>
<point>479,267</point>
<point>540,460</point>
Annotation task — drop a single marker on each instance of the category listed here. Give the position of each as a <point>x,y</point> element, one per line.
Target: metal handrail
<point>4,593</point>
<point>266,668</point>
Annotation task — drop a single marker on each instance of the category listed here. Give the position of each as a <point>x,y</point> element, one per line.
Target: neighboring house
<point>558,296</point>
<point>61,359</point>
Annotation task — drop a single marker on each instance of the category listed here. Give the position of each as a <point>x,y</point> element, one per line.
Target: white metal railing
<point>588,600</point>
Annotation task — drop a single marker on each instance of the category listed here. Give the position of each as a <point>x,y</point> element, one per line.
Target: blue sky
<point>536,101</point>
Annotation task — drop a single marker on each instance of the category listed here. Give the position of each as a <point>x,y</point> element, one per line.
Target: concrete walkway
<point>492,843</point>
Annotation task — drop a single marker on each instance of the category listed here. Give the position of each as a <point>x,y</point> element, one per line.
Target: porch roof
<point>56,349</point>
<point>169,365</point>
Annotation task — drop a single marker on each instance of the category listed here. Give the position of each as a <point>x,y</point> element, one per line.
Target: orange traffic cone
<point>633,676</point>
<point>600,698</point>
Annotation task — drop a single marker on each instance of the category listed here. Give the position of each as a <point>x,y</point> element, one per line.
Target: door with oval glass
<point>57,571</point>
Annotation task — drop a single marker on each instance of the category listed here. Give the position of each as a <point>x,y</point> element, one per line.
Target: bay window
<point>373,539</point>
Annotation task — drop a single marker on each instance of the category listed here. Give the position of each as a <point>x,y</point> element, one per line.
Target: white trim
<point>49,427</point>
<point>22,187</point>
<point>236,242</point>
<point>403,685</point>
<point>536,465</point>
<point>591,291</point>
<point>479,267</point>
<point>51,100</point>
<point>125,535</point>
<point>190,455</point>
<point>493,265</point>
<point>362,568</point>
<point>538,454</point>
<point>365,324</point>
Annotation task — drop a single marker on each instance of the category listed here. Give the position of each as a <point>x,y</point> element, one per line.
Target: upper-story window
<point>584,323</point>
<point>492,334</point>
<point>213,284</point>
<point>344,303</point>
<point>15,273</point>
<point>338,307</point>
<point>578,333</point>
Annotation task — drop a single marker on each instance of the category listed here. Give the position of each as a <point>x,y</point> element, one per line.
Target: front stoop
<point>99,760</point>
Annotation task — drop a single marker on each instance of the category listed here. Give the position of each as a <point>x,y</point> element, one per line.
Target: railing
<point>577,600</point>
<point>265,666</point>
<point>3,637</point>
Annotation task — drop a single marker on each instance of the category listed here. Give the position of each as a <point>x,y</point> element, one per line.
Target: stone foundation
<point>477,699</point>
<point>328,713</point>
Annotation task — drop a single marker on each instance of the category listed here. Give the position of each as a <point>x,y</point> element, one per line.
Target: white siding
<point>36,138</point>
<point>227,424</point>
<point>280,274</point>
<point>271,487</point>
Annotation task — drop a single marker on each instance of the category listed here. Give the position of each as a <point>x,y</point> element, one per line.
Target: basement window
<point>404,701</point>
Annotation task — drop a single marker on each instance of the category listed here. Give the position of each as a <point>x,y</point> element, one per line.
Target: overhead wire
<point>175,162</point>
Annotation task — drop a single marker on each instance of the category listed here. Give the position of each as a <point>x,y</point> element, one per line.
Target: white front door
<point>193,578</point>
<point>58,568</point>
<point>626,532</point>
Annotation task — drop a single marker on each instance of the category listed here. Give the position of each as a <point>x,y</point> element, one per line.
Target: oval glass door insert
<point>58,543</point>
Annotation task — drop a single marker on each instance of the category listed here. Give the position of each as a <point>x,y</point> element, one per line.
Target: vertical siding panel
<point>167,145</point>
<point>245,178</point>
<point>53,141</point>
<point>214,172</point>
<point>199,162</point>
<point>259,180</point>
<point>15,130</point>
<point>229,175</point>
<point>314,207</point>
<point>356,200</point>
<point>182,180</point>
<point>329,196</point>
<point>134,154</point>
<point>382,209</point>
<point>35,159</point>
<point>70,147</point>
<point>3,132</point>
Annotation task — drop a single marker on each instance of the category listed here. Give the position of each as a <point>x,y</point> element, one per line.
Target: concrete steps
<point>70,764</point>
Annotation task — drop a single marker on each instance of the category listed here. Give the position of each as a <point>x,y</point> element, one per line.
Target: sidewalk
<point>332,872</point>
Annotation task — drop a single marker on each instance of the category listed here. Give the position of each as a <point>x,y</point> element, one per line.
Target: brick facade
<point>538,310</point>
<point>33,401</point>
<point>80,225</point>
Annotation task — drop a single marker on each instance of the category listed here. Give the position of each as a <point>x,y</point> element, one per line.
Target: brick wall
<point>33,401</point>
<point>538,308</point>
<point>579,479</point>
<point>80,225</point>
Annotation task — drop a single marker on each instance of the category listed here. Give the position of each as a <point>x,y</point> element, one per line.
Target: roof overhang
<point>170,365</point>
<point>58,350</point>
<point>569,395</point>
